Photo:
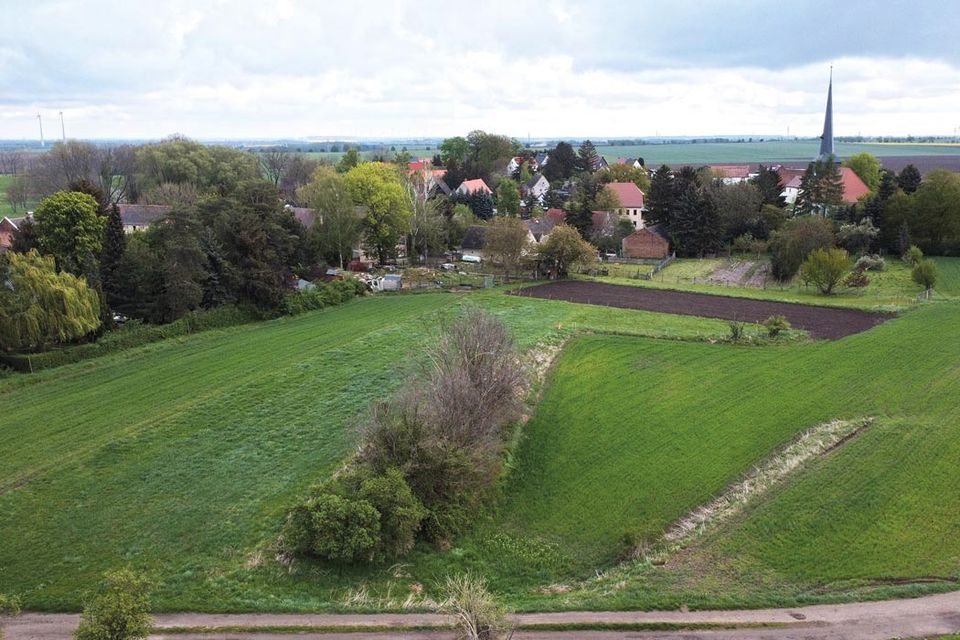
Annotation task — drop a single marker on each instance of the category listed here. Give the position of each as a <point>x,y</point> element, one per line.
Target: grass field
<point>749,152</point>
<point>890,289</point>
<point>182,456</point>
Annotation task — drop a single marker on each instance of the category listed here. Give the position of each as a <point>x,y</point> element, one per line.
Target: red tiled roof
<point>476,184</point>
<point>628,193</point>
<point>419,165</point>
<point>853,187</point>
<point>557,216</point>
<point>731,170</point>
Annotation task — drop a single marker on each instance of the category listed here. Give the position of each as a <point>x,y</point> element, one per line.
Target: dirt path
<point>908,618</point>
<point>821,322</point>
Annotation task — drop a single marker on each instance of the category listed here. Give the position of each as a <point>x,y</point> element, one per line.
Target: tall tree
<point>659,200</point>
<point>111,257</point>
<point>625,173</point>
<point>821,188</point>
<point>506,242</point>
<point>770,186</point>
<point>564,248</point>
<point>587,156</point>
<point>909,179</point>
<point>338,226</point>
<point>561,165</point>
<point>273,163</point>
<point>69,229</point>
<point>349,160</point>
<point>508,198</point>
<point>377,187</point>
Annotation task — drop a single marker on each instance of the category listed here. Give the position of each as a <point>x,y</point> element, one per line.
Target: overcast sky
<point>292,68</point>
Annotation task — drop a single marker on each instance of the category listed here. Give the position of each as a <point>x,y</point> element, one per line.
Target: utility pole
<point>40,120</point>
<point>63,131</point>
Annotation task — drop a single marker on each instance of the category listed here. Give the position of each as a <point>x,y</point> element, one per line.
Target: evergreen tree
<point>25,237</point>
<point>821,188</point>
<point>481,203</point>
<point>562,163</point>
<point>659,200</point>
<point>695,225</point>
<point>553,199</point>
<point>587,157</point>
<point>770,186</point>
<point>111,257</point>
<point>909,179</point>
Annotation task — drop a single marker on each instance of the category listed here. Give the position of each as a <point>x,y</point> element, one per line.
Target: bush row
<point>323,294</point>
<point>428,455</point>
<point>132,334</point>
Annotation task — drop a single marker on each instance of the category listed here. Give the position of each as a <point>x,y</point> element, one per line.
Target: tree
<point>427,232</point>
<point>111,257</point>
<point>625,173</point>
<point>935,223</point>
<point>40,307</point>
<point>455,149</point>
<point>738,206</point>
<point>211,169</point>
<point>508,198</point>
<point>273,164</point>
<point>25,237</point>
<point>119,609</point>
<point>299,171</point>
<point>18,193</point>
<point>825,268</point>
<point>925,274</point>
<point>605,200</point>
<point>69,228</point>
<point>562,163</point>
<point>481,203</point>
<point>659,200</point>
<point>791,245</point>
<point>909,179</point>
<point>564,248</point>
<point>338,227</point>
<point>868,167</point>
<point>377,187</point>
<point>770,186</point>
<point>857,238</point>
<point>587,157</point>
<point>506,242</point>
<point>821,188</point>
<point>695,222</point>
<point>349,160</point>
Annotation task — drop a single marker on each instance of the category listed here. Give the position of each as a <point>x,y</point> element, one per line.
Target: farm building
<point>137,217</point>
<point>631,202</point>
<point>853,187</point>
<point>648,242</point>
<point>731,173</point>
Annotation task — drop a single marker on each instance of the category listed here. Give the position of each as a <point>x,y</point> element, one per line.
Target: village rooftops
<point>470,186</point>
<point>137,216</point>
<point>629,194</point>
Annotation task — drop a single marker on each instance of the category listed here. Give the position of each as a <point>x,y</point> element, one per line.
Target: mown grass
<point>182,456</point>
<point>892,289</point>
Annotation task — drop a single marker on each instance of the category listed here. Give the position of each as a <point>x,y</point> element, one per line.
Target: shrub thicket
<point>776,324</point>
<point>925,273</point>
<point>119,609</point>
<point>790,246</point>
<point>825,268</point>
<point>870,263</point>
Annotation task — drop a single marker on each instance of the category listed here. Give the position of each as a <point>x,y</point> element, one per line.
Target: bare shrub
<point>478,615</point>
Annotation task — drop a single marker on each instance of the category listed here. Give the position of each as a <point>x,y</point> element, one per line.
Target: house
<point>514,164</point>
<point>137,217</point>
<point>556,216</point>
<point>8,226</point>
<point>731,173</point>
<point>649,242</point>
<point>472,186</point>
<point>420,164</point>
<point>539,161</point>
<point>473,241</point>
<point>439,187</point>
<point>636,163</point>
<point>537,186</point>
<point>599,163</point>
<point>539,228</point>
<point>853,187</point>
<point>631,202</point>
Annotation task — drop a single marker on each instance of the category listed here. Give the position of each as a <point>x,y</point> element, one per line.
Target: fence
<point>659,266</point>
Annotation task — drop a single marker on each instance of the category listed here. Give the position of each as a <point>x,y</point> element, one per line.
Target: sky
<point>217,69</point>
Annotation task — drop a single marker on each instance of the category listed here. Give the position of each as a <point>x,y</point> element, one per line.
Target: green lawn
<point>888,290</point>
<point>183,455</point>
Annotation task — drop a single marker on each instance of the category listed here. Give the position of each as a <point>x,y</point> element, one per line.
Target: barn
<point>650,242</point>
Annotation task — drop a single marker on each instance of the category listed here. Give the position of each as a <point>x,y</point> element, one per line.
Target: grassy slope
<point>671,424</point>
<point>948,276</point>
<point>183,455</point>
<point>890,289</point>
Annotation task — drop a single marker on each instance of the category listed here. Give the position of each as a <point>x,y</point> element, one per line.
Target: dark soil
<point>820,322</point>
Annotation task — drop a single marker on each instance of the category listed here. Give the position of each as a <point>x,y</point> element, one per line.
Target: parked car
<point>448,266</point>
<point>389,282</point>
<point>472,259</point>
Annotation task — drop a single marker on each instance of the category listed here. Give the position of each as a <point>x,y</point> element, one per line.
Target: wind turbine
<point>63,131</point>
<point>40,120</point>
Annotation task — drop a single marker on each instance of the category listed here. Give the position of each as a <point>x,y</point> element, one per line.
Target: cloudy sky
<point>298,68</point>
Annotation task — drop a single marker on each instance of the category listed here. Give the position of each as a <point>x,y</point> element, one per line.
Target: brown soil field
<point>830,323</point>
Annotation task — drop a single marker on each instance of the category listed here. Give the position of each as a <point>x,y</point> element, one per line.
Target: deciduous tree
<point>506,242</point>
<point>69,228</point>
<point>564,249</point>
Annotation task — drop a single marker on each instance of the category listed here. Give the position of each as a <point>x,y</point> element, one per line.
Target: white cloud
<point>212,69</point>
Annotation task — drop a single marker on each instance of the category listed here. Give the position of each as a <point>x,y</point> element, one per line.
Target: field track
<point>820,322</point>
<point>927,616</point>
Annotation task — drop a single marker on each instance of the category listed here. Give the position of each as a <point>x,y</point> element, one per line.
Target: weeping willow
<point>40,307</point>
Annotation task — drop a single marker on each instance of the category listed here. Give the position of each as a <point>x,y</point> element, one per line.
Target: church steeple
<point>826,140</point>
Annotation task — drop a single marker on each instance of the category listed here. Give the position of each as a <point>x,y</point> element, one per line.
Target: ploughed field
<point>820,322</point>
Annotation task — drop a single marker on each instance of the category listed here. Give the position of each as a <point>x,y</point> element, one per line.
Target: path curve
<point>907,618</point>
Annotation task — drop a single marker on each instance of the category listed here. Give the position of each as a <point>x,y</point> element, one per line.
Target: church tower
<point>826,140</point>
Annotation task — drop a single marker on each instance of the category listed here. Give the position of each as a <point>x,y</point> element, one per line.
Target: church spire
<point>826,140</point>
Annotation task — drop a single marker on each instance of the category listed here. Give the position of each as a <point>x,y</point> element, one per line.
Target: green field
<point>749,152</point>
<point>181,457</point>
<point>888,290</point>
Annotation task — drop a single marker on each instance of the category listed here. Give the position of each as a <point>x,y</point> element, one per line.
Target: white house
<point>631,202</point>
<point>537,185</point>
